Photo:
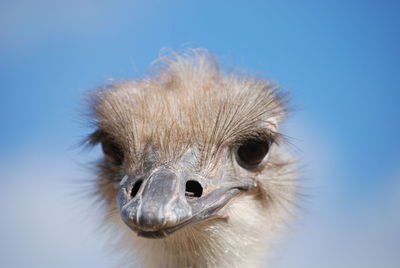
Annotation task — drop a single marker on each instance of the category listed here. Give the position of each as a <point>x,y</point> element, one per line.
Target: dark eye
<point>252,152</point>
<point>112,152</point>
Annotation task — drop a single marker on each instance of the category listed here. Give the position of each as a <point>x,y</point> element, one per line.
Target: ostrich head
<point>194,173</point>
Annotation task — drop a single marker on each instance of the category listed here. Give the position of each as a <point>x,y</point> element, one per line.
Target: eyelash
<point>112,152</point>
<point>251,151</point>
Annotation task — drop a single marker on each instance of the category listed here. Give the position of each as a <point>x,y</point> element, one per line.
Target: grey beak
<point>160,204</point>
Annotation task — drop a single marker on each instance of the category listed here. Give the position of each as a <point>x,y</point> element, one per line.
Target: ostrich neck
<point>198,250</point>
<point>229,243</point>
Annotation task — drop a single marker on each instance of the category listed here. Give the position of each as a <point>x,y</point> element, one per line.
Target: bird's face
<point>167,196</point>
<point>175,156</point>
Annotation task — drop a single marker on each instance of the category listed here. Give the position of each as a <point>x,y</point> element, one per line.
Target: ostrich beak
<point>163,202</point>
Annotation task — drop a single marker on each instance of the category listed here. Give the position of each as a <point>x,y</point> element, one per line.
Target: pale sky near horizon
<point>337,59</point>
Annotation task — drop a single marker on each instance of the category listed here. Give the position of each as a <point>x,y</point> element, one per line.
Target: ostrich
<point>194,172</point>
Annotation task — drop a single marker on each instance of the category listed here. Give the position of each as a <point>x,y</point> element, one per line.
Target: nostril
<point>135,188</point>
<point>193,189</point>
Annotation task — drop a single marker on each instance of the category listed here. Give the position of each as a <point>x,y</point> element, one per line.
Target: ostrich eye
<point>112,152</point>
<point>252,152</point>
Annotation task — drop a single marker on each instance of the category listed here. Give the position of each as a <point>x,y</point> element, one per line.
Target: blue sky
<point>337,59</point>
